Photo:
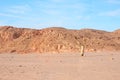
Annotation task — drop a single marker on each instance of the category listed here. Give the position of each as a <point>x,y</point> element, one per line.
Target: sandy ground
<point>92,66</point>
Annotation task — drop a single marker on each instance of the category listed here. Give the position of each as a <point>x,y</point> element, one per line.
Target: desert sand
<point>92,66</point>
<point>54,54</point>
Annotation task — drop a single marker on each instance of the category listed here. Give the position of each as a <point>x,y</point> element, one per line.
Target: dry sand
<point>92,66</point>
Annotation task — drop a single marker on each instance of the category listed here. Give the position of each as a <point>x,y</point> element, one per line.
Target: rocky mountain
<point>57,40</point>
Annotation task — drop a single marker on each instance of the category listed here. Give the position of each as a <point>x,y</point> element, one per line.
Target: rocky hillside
<point>56,40</point>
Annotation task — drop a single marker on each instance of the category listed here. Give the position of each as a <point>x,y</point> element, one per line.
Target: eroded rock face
<point>56,40</point>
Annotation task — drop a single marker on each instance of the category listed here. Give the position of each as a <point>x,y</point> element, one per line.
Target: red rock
<point>56,40</point>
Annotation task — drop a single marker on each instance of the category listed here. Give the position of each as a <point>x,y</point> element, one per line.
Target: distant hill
<point>56,40</point>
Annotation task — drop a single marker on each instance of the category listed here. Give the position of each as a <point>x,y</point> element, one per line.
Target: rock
<point>56,40</point>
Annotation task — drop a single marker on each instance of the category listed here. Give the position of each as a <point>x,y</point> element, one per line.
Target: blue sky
<point>72,14</point>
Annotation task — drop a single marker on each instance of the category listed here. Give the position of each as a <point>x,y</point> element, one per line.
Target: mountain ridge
<point>56,40</point>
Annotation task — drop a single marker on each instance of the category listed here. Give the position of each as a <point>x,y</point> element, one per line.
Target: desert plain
<point>64,66</point>
<point>54,54</point>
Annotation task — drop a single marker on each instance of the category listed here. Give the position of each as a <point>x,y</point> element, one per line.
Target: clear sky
<point>73,14</point>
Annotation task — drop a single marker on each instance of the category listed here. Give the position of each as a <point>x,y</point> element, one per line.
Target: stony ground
<point>92,66</point>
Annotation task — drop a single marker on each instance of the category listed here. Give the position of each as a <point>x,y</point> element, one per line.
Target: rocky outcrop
<point>56,40</point>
